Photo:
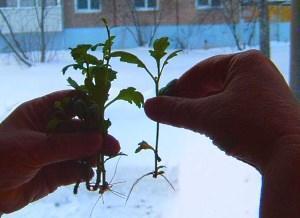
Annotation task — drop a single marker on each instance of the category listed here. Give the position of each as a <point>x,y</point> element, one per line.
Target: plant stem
<point>103,171</point>
<point>157,134</point>
<point>156,150</point>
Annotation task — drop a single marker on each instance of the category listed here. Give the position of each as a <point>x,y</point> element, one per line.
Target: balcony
<point>26,16</point>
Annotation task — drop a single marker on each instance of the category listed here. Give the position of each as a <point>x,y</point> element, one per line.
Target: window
<point>88,5</point>
<point>48,2</point>
<point>8,3</point>
<point>27,3</point>
<point>207,3</point>
<point>146,5</point>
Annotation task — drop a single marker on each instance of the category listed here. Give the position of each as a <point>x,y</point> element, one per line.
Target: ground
<point>208,183</point>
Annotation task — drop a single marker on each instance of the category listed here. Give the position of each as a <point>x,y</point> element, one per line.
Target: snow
<point>208,183</point>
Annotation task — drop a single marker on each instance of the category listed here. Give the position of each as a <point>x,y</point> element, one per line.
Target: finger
<point>45,182</point>
<point>54,176</point>
<point>194,114</point>
<point>112,147</point>
<point>72,146</point>
<point>204,79</point>
<point>37,112</point>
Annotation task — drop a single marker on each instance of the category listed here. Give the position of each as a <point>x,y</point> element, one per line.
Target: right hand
<point>241,101</point>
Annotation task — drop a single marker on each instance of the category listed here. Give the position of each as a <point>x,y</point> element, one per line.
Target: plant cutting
<point>161,58</point>
<point>92,101</point>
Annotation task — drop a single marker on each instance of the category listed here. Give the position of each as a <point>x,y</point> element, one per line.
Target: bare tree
<point>264,28</point>
<point>295,49</point>
<point>232,11</point>
<point>144,31</point>
<point>12,42</point>
<point>33,23</point>
<point>41,15</point>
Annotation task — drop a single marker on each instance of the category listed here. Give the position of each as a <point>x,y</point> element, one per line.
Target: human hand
<point>34,163</point>
<point>240,101</point>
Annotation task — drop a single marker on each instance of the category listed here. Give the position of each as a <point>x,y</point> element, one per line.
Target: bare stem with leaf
<point>162,58</point>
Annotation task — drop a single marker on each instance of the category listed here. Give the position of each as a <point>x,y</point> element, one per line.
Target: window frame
<point>208,6</point>
<point>88,10</point>
<point>147,8</point>
<point>30,7</point>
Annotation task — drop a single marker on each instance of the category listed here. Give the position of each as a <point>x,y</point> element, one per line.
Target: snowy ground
<point>208,183</point>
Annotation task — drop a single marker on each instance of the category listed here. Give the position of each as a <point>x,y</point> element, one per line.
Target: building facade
<point>189,23</point>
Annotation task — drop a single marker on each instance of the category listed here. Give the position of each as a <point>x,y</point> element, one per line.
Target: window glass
<point>152,3</point>
<point>139,3</point>
<point>3,3</point>
<point>216,3</point>
<point>27,3</point>
<point>82,4</point>
<point>202,3</point>
<point>95,4</point>
<point>48,2</point>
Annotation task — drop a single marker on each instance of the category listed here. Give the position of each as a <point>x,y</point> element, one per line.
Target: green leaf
<point>73,83</point>
<point>75,66</point>
<point>170,56</point>
<point>107,124</point>
<point>129,58</point>
<point>91,59</point>
<point>79,52</point>
<point>132,96</point>
<point>159,48</point>
<point>80,55</point>
<point>112,75</point>
<point>94,47</point>
<point>107,46</point>
<point>143,145</point>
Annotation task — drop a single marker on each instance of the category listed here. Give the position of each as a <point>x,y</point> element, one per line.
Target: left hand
<point>34,163</point>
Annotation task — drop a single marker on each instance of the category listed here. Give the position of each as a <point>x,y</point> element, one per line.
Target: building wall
<point>25,19</point>
<point>119,13</point>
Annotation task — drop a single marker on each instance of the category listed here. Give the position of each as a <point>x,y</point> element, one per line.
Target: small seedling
<point>161,58</point>
<point>92,101</point>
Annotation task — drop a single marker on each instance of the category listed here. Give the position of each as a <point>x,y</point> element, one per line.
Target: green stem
<point>103,169</point>
<point>109,103</point>
<point>157,134</point>
<point>156,150</point>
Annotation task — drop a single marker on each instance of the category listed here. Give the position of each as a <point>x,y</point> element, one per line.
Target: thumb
<point>72,146</point>
<point>193,114</point>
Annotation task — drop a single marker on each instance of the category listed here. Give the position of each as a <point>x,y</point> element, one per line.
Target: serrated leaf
<point>129,58</point>
<point>159,48</point>
<point>171,56</point>
<point>80,55</point>
<point>79,52</point>
<point>132,96</point>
